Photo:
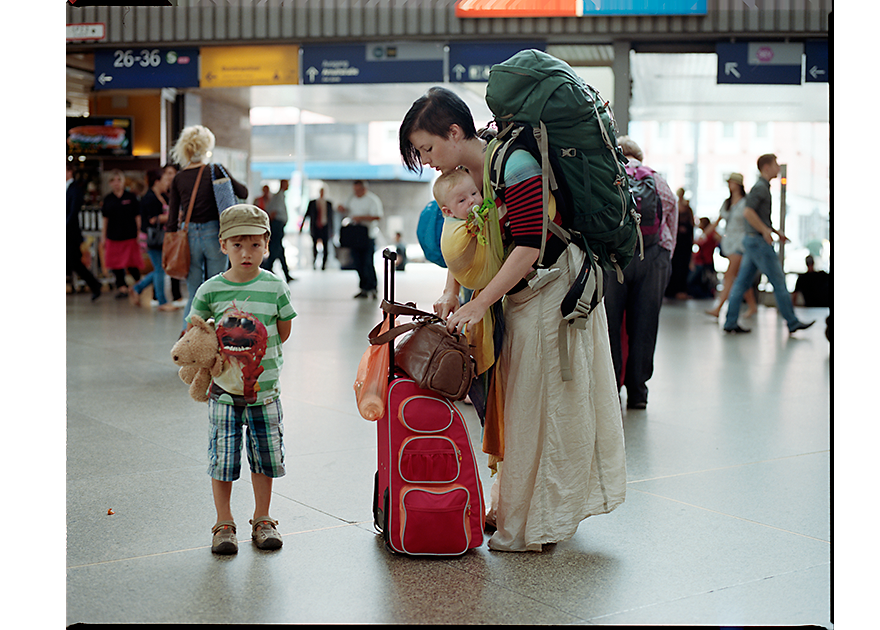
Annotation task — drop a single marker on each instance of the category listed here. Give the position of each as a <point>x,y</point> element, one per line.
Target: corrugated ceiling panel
<point>203,21</point>
<point>583,55</point>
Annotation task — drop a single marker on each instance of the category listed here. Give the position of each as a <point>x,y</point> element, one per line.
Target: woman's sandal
<point>264,533</point>
<point>224,542</point>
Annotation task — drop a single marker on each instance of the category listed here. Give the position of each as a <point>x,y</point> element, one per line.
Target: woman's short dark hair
<point>154,175</point>
<point>434,113</point>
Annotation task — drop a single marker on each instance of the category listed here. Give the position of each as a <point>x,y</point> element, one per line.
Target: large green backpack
<point>541,105</point>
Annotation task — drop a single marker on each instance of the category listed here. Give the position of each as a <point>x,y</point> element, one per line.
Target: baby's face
<point>462,197</point>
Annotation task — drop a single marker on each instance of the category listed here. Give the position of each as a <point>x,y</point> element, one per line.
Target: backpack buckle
<point>572,152</point>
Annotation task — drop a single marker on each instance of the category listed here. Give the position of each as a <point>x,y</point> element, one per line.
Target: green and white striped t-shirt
<point>245,316</point>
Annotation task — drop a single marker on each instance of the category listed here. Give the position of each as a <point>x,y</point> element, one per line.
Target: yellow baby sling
<point>474,252</point>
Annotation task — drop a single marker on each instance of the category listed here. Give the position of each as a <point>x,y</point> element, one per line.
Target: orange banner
<point>517,8</point>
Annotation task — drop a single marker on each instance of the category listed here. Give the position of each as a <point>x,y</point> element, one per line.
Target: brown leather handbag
<point>429,354</point>
<point>175,246</point>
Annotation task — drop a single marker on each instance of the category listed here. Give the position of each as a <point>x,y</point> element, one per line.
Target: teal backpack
<point>541,105</point>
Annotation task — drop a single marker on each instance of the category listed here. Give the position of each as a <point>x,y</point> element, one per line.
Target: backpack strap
<point>546,174</point>
<point>498,148</point>
<point>576,309</point>
<point>498,160</point>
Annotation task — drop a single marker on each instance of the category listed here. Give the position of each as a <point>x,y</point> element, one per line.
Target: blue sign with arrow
<point>760,63</point>
<point>132,68</point>
<point>395,62</point>
<point>818,67</point>
<point>470,62</point>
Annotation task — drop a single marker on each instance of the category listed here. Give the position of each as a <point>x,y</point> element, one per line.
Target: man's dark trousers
<point>362,258</point>
<point>639,298</point>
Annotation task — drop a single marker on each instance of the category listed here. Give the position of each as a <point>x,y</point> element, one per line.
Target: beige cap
<point>736,177</point>
<point>243,219</point>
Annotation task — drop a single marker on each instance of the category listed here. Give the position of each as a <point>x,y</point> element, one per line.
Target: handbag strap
<point>420,318</point>
<point>192,200</point>
<point>395,308</point>
<point>222,171</point>
<point>377,340</point>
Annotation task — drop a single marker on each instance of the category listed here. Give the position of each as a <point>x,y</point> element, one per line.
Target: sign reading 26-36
<point>146,67</point>
<point>146,58</point>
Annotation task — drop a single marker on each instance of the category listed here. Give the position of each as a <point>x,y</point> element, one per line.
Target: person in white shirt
<point>364,208</point>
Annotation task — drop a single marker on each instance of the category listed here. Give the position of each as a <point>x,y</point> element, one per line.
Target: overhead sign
<point>243,66</point>
<point>392,62</point>
<point>818,67</point>
<point>131,68</point>
<point>470,62</point>
<point>86,31</point>
<point>760,63</point>
<point>577,8</point>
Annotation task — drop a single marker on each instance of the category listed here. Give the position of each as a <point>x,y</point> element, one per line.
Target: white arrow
<point>730,68</point>
<point>312,72</point>
<point>459,70</point>
<point>104,79</point>
<point>815,72</point>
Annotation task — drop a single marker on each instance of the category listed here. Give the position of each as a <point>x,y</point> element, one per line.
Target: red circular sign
<point>765,54</point>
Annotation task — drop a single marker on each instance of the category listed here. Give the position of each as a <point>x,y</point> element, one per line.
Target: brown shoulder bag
<point>175,246</point>
<point>429,354</point>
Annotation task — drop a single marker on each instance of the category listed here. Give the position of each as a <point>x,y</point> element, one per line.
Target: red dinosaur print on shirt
<point>243,340</point>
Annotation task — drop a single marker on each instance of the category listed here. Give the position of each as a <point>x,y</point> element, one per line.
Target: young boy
<point>252,314</point>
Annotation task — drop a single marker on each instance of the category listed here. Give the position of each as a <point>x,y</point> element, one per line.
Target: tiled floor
<point>726,522</point>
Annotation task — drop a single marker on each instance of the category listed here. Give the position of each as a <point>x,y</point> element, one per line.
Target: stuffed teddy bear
<point>198,355</point>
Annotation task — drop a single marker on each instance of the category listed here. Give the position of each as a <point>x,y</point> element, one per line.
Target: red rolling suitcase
<point>428,498</point>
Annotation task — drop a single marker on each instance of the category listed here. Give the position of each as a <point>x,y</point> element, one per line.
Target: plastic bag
<point>371,381</point>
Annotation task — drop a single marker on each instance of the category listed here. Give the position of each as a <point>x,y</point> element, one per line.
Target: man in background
<point>760,254</point>
<point>364,208</point>
<point>277,211</point>
<point>320,217</point>
<point>74,239</point>
<point>633,308</point>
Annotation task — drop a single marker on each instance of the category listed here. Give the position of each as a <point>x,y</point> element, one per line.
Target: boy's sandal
<point>224,542</point>
<point>264,534</point>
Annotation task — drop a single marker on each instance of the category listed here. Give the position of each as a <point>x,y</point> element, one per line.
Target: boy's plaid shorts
<point>264,438</point>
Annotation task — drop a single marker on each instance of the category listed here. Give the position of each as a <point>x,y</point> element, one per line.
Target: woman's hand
<point>448,303</point>
<point>517,266</point>
<point>470,314</point>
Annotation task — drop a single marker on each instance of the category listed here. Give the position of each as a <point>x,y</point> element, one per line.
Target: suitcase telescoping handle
<point>390,258</point>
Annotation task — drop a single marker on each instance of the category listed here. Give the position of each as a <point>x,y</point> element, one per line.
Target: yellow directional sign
<point>242,66</point>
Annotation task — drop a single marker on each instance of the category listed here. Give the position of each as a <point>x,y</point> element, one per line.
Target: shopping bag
<point>371,382</point>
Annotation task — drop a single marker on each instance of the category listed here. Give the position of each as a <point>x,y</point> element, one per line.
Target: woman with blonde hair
<point>192,152</point>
